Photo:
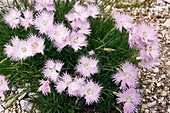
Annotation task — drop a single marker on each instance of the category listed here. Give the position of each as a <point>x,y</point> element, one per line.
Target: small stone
<point>156,70</point>
<point>146,111</point>
<point>163,93</point>
<point>163,76</point>
<point>144,106</point>
<point>151,104</point>
<point>168,63</point>
<point>168,110</point>
<point>158,84</point>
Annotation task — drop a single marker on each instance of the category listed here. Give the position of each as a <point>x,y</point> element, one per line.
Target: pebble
<point>151,104</point>
<point>156,70</point>
<point>163,93</point>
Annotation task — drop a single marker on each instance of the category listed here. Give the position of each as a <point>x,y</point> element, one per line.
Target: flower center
<point>24,49</point>
<point>129,99</point>
<point>90,91</point>
<point>91,11</point>
<point>145,34</point>
<point>57,33</point>
<point>75,41</point>
<point>122,22</point>
<point>126,75</point>
<point>53,70</point>
<point>79,13</point>
<point>44,22</point>
<point>14,18</point>
<point>150,48</point>
<point>87,66</point>
<point>35,45</point>
<point>1,82</point>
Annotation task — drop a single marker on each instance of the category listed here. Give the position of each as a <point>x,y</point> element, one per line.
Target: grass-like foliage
<point>109,44</point>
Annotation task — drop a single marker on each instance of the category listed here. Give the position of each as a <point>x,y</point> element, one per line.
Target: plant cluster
<point>69,52</point>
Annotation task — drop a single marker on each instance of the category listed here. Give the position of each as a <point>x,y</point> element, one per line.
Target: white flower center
<point>150,48</point>
<point>53,70</point>
<point>24,49</point>
<point>87,66</point>
<point>44,22</point>
<point>57,33</point>
<point>90,91</point>
<point>126,75</point>
<point>1,82</point>
<point>80,13</point>
<point>35,45</point>
<point>14,18</point>
<point>129,99</point>
<point>145,34</point>
<point>122,22</point>
<point>91,11</point>
<point>75,41</point>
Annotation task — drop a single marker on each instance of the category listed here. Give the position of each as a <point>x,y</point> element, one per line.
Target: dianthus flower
<point>37,44</point>
<point>12,18</point>
<point>127,75</point>
<point>77,41</point>
<point>87,66</point>
<point>45,4</point>
<point>45,87</point>
<point>63,83</point>
<point>131,98</point>
<point>3,84</point>
<point>52,69</point>
<point>27,21</point>
<point>44,21</point>
<point>91,92</point>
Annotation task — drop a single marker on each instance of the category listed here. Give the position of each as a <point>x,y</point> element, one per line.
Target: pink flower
<point>91,52</point>
<point>127,75</point>
<point>13,18</point>
<point>59,34</point>
<point>81,11</point>
<point>52,69</point>
<point>131,98</point>
<point>37,44</point>
<point>45,87</point>
<point>87,66</point>
<point>71,16</point>
<point>123,20</point>
<point>11,47</point>
<point>146,32</point>
<point>149,63</point>
<point>82,27</point>
<point>18,49</point>
<point>91,92</point>
<point>44,21</point>
<point>63,83</point>
<point>150,51</point>
<point>45,4</point>
<point>93,10</point>
<point>3,84</point>
<point>77,41</point>
<point>75,86</point>
<point>23,50</point>
<point>27,21</point>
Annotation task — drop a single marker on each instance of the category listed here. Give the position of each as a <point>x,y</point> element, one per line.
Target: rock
<point>151,104</point>
<point>1,108</point>
<point>144,106</point>
<point>25,105</point>
<point>163,93</point>
<point>156,70</point>
<point>168,63</point>
<point>168,110</point>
